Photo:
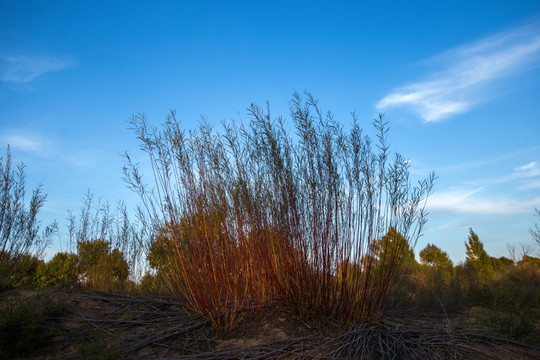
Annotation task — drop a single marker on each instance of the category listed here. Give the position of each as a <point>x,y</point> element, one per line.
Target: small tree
<point>433,256</point>
<point>393,248</point>
<point>434,277</point>
<point>61,271</point>
<point>101,267</point>
<point>476,254</point>
<point>529,260</point>
<point>501,262</point>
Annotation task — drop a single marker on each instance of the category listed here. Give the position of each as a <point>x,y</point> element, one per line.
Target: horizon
<point>458,84</point>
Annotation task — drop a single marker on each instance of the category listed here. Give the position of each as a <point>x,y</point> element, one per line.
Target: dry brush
<point>259,213</point>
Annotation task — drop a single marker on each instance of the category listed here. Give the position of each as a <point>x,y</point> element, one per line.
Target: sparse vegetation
<point>314,230</point>
<point>21,243</point>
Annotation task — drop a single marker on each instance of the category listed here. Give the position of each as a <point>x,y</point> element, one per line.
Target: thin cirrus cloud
<point>466,201</point>
<point>525,175</point>
<point>39,147</point>
<point>464,71</point>
<point>478,196</point>
<point>25,143</point>
<point>23,69</point>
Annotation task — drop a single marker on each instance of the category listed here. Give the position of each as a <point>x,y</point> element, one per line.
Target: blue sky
<point>457,80</point>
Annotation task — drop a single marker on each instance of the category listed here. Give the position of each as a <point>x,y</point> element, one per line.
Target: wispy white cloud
<point>45,148</point>
<point>530,169</point>
<point>25,142</point>
<point>455,224</point>
<point>475,201</point>
<point>419,168</point>
<point>486,197</point>
<point>463,72</point>
<point>530,174</point>
<point>522,175</point>
<point>22,69</point>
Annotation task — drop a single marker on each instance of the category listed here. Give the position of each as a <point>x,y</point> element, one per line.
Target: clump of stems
<point>20,236</point>
<point>258,213</point>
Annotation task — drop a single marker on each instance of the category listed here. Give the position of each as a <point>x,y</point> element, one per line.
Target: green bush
<point>60,272</point>
<point>510,311</point>
<point>152,285</point>
<point>19,271</point>
<point>102,268</point>
<point>513,301</point>
<point>518,325</point>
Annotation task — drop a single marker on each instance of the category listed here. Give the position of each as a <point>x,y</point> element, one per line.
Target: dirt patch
<point>270,325</point>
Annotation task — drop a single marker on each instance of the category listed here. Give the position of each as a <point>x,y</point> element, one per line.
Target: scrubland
<point>258,241</point>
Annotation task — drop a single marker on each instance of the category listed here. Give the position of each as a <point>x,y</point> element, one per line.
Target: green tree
<point>433,256</point>
<point>157,255</point>
<point>476,254</point>
<point>91,253</point>
<point>531,260</point>
<point>393,248</point>
<point>23,270</point>
<point>61,271</point>
<point>119,265</point>
<point>502,262</point>
<point>101,267</point>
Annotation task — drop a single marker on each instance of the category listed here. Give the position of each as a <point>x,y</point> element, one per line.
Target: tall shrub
<point>258,212</point>
<point>21,243</point>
